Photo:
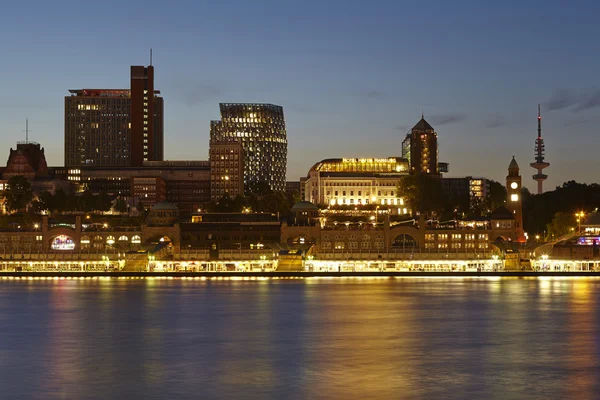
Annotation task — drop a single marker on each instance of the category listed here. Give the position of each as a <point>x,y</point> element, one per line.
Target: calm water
<point>300,339</point>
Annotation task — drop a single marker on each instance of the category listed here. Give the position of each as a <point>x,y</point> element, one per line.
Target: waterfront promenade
<point>34,275</point>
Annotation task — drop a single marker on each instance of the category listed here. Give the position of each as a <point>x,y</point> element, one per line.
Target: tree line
<point>19,197</point>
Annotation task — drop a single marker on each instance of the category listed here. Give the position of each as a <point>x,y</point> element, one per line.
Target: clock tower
<point>513,198</point>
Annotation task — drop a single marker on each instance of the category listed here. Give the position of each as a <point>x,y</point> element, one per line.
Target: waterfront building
<point>115,127</point>
<point>357,182</point>
<point>385,238</point>
<point>260,128</point>
<point>231,231</point>
<point>226,169</point>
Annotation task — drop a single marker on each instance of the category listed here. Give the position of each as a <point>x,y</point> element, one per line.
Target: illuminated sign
<point>368,160</point>
<point>62,242</point>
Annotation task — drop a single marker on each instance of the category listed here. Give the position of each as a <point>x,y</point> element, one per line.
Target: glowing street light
<point>579,216</point>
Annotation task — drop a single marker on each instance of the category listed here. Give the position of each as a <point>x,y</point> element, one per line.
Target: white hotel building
<point>357,182</point>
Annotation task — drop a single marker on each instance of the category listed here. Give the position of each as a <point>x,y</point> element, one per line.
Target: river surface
<point>396,338</point>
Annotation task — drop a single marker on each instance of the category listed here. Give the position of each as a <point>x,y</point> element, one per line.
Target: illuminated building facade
<point>226,169</point>
<point>115,127</point>
<point>260,128</point>
<point>357,182</point>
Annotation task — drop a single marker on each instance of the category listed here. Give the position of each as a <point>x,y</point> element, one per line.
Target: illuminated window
<point>514,197</point>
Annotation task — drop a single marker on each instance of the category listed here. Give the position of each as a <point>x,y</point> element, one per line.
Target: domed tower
<point>513,197</point>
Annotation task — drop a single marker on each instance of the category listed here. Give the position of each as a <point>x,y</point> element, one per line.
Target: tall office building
<point>115,127</point>
<point>260,128</point>
<point>423,148</point>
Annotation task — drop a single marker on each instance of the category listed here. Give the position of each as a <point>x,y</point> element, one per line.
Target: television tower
<point>539,163</point>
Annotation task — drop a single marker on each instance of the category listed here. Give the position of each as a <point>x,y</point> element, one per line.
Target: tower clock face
<point>514,185</point>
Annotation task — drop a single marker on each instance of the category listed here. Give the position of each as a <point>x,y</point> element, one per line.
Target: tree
<point>47,199</point>
<point>60,200</point>
<point>37,207</point>
<point>85,201</point>
<point>497,195</point>
<point>120,205</point>
<point>140,207</point>
<point>17,193</point>
<point>102,202</point>
<point>422,192</point>
<point>562,223</point>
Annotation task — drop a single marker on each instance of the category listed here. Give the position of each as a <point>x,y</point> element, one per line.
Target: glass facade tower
<point>260,128</point>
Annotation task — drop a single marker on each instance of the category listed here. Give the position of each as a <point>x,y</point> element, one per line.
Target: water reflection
<point>313,338</point>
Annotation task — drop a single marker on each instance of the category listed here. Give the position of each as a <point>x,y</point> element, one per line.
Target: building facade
<point>226,169</point>
<point>357,182</point>
<point>468,190</point>
<point>115,127</point>
<point>260,128</point>
<point>187,182</point>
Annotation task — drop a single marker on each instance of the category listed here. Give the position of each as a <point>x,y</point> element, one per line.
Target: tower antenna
<point>26,130</point>
<point>540,163</point>
<point>150,56</point>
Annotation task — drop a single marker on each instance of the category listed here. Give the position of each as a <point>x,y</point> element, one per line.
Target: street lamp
<point>579,216</point>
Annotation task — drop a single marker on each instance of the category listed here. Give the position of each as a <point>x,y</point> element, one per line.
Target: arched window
<point>123,238</point>
<point>110,240</point>
<point>136,239</point>
<point>404,241</point>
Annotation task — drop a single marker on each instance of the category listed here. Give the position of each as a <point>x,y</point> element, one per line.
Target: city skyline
<point>358,76</point>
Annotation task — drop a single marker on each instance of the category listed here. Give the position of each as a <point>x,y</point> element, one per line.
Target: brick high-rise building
<point>260,128</point>
<point>226,169</point>
<point>115,127</point>
<point>423,148</point>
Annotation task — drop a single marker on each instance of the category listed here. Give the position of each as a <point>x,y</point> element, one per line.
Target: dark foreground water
<point>300,339</point>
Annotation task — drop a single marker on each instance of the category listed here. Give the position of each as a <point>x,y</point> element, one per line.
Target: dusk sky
<point>352,76</point>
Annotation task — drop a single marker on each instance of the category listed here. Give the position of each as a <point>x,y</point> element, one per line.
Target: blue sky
<point>352,76</point>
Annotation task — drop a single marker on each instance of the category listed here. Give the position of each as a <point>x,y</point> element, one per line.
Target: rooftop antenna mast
<point>26,130</point>
<point>150,57</point>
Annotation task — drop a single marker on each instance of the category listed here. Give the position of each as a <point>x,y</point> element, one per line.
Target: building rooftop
<point>423,125</point>
<point>103,92</point>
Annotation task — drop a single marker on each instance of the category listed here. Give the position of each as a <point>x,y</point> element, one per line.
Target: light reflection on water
<point>304,338</point>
